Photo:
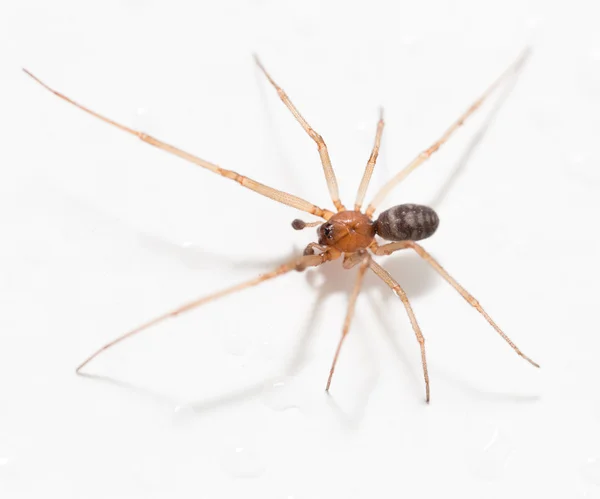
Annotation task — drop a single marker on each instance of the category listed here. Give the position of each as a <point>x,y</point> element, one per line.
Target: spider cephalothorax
<point>347,231</point>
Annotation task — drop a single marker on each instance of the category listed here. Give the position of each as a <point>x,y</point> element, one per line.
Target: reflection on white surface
<point>488,450</point>
<point>585,166</point>
<point>243,462</point>
<point>591,470</point>
<point>410,39</point>
<point>142,120</point>
<point>592,493</point>
<point>280,394</point>
<point>236,342</point>
<point>183,412</point>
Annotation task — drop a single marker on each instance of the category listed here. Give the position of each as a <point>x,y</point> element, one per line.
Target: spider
<point>344,233</point>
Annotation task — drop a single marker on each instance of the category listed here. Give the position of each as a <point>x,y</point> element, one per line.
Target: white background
<point>100,232</point>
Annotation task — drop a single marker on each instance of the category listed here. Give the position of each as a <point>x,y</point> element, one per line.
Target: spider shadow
<point>334,281</point>
<point>475,392</point>
<point>406,267</point>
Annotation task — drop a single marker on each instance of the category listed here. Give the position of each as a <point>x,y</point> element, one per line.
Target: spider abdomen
<point>407,222</point>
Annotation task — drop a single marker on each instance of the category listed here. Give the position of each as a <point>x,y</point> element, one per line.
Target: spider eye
<point>326,234</point>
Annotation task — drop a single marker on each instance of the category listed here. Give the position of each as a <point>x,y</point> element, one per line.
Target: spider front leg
<point>321,146</point>
<point>388,249</point>
<point>262,189</point>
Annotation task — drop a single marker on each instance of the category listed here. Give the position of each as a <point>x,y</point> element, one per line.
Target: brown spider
<point>350,233</point>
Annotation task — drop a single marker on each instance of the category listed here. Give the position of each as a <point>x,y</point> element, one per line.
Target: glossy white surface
<point>101,232</point>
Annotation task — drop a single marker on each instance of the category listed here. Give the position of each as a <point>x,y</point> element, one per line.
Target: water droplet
<point>280,394</point>
<point>6,463</point>
<point>591,470</point>
<point>534,23</point>
<point>489,451</point>
<point>138,4</point>
<point>596,409</point>
<point>590,72</point>
<point>183,411</point>
<point>593,493</point>
<point>268,350</point>
<point>236,343</point>
<point>142,119</point>
<point>583,166</point>
<point>315,279</point>
<point>6,455</point>
<point>243,462</point>
<point>409,39</point>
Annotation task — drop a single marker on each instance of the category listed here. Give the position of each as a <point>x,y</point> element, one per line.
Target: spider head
<point>347,231</point>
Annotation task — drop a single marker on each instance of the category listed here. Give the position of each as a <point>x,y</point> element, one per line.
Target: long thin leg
<point>364,183</point>
<point>323,153</point>
<point>297,264</point>
<point>279,196</point>
<point>396,288</point>
<point>388,249</point>
<point>424,156</point>
<point>351,305</point>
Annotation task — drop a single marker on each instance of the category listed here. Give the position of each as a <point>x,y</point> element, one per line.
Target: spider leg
<point>279,196</point>
<point>396,288</point>
<point>366,258</point>
<point>353,259</point>
<point>388,249</point>
<point>297,264</point>
<point>424,156</point>
<point>323,152</point>
<point>364,183</point>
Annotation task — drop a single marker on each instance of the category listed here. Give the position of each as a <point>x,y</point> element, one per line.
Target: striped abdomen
<point>407,222</point>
